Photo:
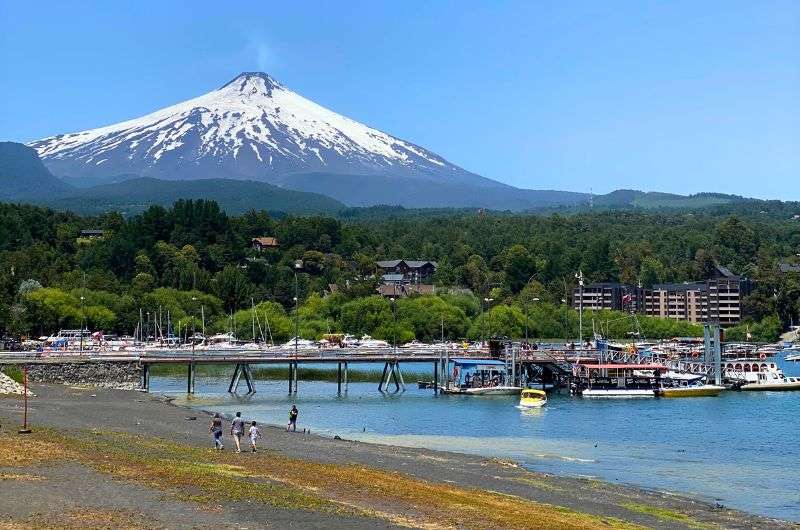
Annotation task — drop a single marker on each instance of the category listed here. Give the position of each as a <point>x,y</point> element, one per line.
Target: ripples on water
<point>741,449</point>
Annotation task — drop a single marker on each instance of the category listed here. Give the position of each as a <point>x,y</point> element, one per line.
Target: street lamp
<point>483,318</point>
<point>194,322</point>
<point>298,265</point>
<point>83,319</point>
<point>526,318</point>
<point>579,276</point>
<point>394,325</point>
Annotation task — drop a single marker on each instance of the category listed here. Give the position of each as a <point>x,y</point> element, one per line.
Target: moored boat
<point>479,377</point>
<point>690,391</point>
<point>617,380</point>
<point>532,398</point>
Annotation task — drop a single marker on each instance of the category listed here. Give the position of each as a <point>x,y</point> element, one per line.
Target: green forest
<point>193,259</point>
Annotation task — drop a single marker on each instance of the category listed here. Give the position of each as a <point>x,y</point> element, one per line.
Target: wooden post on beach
<point>25,429</point>
<point>190,376</point>
<point>146,377</point>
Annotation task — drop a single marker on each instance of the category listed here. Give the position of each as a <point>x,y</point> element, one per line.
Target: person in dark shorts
<point>216,431</point>
<point>237,431</point>
<point>292,425</point>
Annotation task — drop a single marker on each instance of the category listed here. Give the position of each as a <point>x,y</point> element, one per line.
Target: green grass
<point>280,373</point>
<point>664,514</point>
<point>14,372</point>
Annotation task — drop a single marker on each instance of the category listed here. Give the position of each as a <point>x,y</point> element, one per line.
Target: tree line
<point>498,273</point>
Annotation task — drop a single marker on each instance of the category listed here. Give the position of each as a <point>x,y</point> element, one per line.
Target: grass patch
<point>14,372</point>
<point>667,515</point>
<point>270,478</point>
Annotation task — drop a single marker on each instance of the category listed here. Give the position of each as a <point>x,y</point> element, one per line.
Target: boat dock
<point>242,361</point>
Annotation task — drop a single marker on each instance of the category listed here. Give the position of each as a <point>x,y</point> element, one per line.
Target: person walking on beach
<point>292,425</point>
<point>255,434</point>
<point>216,430</point>
<point>237,431</point>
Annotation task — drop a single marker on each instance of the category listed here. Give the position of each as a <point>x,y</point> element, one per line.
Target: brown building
<point>262,243</point>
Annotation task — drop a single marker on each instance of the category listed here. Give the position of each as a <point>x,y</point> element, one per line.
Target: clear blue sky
<point>669,96</point>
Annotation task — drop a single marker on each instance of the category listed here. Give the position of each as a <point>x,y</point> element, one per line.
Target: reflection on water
<point>741,449</point>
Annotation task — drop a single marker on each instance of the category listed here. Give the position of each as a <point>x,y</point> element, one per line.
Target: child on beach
<point>292,425</point>
<point>255,434</point>
<point>216,431</point>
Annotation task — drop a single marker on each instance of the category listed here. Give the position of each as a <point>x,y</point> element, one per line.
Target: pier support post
<point>295,378</point>
<point>435,378</point>
<point>248,379</point>
<point>383,377</point>
<point>146,377</point>
<point>339,378</point>
<point>190,377</point>
<point>291,367</point>
<point>399,377</point>
<point>237,374</point>
<point>345,378</point>
<point>242,370</point>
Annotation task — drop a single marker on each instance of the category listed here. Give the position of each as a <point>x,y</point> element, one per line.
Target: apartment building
<point>717,299</point>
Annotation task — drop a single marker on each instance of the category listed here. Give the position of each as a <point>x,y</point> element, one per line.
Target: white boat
<point>617,380</point>
<point>368,342</point>
<point>301,344</point>
<point>758,374</point>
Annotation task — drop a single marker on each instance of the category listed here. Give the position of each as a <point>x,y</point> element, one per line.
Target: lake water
<point>741,449</point>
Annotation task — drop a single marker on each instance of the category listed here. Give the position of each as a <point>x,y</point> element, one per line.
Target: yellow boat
<point>690,391</point>
<point>532,398</point>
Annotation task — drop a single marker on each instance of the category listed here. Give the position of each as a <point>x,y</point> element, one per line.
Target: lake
<point>740,449</point>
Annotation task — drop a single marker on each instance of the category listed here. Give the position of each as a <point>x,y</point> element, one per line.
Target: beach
<point>102,458</point>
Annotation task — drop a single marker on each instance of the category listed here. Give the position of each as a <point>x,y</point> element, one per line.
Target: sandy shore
<point>107,459</point>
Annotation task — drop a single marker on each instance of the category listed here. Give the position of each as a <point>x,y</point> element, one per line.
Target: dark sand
<point>53,490</point>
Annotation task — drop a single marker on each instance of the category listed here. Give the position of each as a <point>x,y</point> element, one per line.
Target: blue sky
<point>669,96</point>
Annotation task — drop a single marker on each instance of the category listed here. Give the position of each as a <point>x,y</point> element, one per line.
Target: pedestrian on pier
<point>237,431</point>
<point>255,434</point>
<point>292,425</point>
<point>216,431</point>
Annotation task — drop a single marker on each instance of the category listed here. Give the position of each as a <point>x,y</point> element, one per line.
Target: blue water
<point>741,449</point>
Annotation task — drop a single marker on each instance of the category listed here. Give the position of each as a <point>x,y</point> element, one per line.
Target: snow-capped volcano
<point>252,127</point>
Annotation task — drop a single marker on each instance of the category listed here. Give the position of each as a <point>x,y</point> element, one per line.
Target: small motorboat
<point>690,391</point>
<point>532,398</point>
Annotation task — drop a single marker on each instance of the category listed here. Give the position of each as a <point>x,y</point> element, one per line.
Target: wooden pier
<point>242,361</point>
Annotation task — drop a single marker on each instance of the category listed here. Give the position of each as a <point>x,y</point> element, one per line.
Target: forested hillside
<point>193,256</point>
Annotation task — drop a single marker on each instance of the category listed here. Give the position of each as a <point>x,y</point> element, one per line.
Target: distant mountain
<point>360,190</point>
<point>234,196</point>
<point>251,128</point>
<point>255,128</point>
<point>23,176</point>
<point>651,200</point>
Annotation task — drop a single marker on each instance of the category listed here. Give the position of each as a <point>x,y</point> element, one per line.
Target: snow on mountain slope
<point>252,127</point>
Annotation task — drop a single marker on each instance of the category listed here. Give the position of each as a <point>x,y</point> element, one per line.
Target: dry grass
<point>274,479</point>
<point>210,478</point>
<point>17,451</point>
<point>22,477</point>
